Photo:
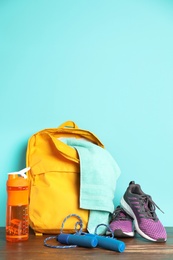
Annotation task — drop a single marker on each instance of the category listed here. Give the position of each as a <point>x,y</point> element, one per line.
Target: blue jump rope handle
<point>109,243</point>
<point>79,240</point>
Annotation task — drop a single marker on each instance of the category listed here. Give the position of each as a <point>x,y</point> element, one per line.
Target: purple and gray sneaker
<point>121,223</point>
<point>141,208</point>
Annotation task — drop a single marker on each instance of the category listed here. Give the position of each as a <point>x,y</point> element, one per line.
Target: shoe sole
<point>120,233</point>
<point>129,211</point>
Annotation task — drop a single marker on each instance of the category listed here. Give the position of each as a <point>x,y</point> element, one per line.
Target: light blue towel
<point>98,176</point>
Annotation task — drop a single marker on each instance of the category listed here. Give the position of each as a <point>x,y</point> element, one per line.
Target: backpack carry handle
<point>65,150</point>
<point>68,124</point>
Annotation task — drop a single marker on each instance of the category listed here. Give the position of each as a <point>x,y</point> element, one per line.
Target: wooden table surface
<point>136,248</point>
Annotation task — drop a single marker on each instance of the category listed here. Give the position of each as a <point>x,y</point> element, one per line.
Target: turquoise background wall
<point>105,64</point>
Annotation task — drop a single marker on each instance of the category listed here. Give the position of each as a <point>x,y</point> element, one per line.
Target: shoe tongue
<point>122,214</point>
<point>119,214</point>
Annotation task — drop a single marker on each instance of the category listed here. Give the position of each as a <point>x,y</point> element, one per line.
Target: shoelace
<point>120,214</point>
<point>149,206</point>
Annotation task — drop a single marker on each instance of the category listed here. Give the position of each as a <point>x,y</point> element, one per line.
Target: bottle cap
<point>21,172</point>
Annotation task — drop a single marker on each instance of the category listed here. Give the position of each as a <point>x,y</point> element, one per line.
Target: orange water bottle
<point>17,221</point>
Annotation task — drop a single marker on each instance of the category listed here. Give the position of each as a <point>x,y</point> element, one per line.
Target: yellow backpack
<point>55,178</point>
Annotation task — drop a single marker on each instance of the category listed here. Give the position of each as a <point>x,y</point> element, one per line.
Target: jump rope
<point>80,238</point>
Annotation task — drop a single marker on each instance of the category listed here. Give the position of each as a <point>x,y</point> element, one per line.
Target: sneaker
<point>121,224</point>
<point>141,208</point>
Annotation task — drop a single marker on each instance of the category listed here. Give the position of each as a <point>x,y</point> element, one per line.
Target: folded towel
<point>98,175</point>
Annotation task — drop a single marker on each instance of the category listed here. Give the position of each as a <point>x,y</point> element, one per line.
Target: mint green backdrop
<point>107,65</point>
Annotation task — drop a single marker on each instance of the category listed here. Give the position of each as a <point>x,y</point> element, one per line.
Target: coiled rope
<point>77,231</point>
